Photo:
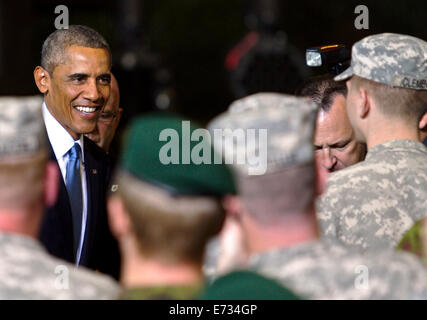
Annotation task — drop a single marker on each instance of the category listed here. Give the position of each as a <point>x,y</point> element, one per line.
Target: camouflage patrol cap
<point>393,59</point>
<point>265,132</point>
<point>22,130</point>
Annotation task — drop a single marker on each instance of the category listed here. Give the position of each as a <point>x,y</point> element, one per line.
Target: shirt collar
<point>59,138</point>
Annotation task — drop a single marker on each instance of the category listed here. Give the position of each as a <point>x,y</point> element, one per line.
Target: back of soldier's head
<point>174,204</point>
<point>278,131</point>
<point>23,151</point>
<point>393,70</point>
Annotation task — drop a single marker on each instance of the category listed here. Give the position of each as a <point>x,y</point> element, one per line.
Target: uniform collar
<point>396,145</point>
<point>22,241</point>
<point>299,250</point>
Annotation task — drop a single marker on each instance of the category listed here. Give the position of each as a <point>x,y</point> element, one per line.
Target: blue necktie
<point>73,182</point>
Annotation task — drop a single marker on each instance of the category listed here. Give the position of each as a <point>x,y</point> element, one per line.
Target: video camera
<point>336,58</point>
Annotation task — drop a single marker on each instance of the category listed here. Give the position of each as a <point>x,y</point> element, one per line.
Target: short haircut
<point>395,102</point>
<point>322,90</point>
<point>169,228</point>
<point>53,50</point>
<point>22,181</point>
<point>271,197</point>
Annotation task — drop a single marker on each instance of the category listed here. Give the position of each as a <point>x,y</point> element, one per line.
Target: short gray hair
<point>271,197</point>
<point>322,90</point>
<point>53,50</point>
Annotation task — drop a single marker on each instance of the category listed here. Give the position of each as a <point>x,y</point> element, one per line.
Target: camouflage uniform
<point>373,203</point>
<point>286,118</point>
<point>27,271</point>
<point>327,270</point>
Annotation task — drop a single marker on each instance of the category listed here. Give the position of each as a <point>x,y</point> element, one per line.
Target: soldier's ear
<point>364,104</point>
<point>232,206</point>
<point>42,79</point>
<point>423,122</point>
<point>118,218</point>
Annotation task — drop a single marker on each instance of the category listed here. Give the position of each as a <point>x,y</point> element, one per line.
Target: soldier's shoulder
<point>388,263</point>
<point>29,272</point>
<point>67,282</point>
<point>304,253</point>
<point>358,178</point>
<point>359,169</point>
<point>404,270</point>
<point>88,284</point>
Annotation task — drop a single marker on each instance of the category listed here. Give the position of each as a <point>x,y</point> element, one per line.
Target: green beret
<point>172,153</point>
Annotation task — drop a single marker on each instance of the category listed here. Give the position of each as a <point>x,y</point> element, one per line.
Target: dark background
<point>180,45</point>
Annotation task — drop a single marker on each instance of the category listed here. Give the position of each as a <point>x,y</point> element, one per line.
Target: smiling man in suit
<point>74,78</point>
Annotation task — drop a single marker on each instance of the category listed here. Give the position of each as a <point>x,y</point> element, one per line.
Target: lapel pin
<point>94,171</point>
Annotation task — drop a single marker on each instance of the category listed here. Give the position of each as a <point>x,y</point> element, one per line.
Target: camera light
<point>313,58</point>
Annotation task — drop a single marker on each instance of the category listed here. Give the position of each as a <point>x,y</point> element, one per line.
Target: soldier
<point>28,182</point>
<point>373,203</point>
<point>275,210</point>
<point>164,211</point>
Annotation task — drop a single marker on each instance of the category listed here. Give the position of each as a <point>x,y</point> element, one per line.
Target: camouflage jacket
<point>371,205</point>
<point>27,271</point>
<point>325,269</point>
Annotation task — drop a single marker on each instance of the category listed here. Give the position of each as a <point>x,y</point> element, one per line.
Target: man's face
<point>109,119</point>
<point>78,89</point>
<point>334,142</point>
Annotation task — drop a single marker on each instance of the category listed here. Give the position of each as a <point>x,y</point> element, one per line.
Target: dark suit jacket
<point>100,249</point>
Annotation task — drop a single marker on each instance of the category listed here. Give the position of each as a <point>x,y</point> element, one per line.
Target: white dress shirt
<point>62,142</point>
